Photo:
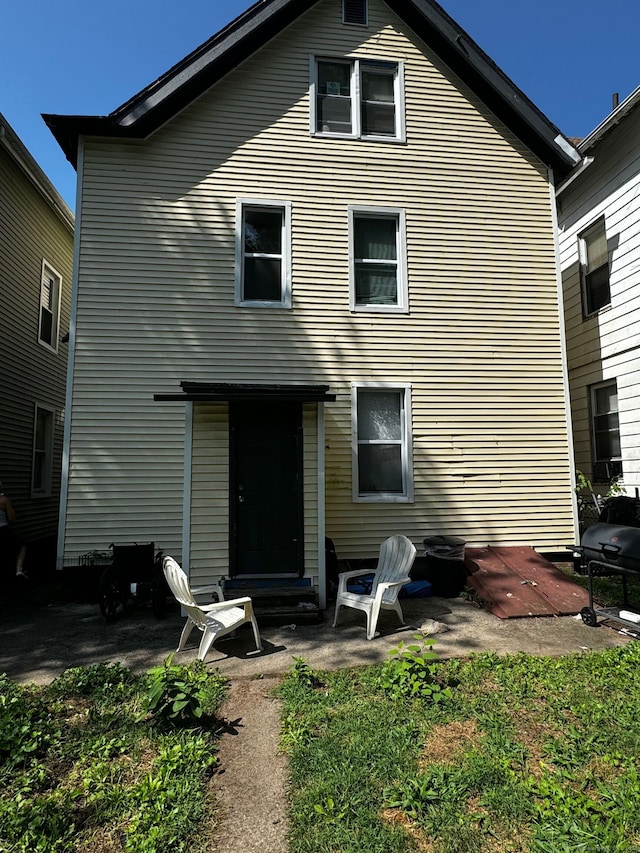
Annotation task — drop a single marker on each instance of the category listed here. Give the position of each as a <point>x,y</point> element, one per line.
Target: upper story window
<point>382,466</point>
<point>354,12</point>
<point>49,318</point>
<point>263,256</point>
<point>594,265</point>
<point>378,280</point>
<point>358,98</point>
<point>605,432</point>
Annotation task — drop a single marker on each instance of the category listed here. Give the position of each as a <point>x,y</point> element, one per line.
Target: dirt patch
<point>251,787</point>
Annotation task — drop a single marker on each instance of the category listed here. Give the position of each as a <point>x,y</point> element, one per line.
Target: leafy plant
<point>410,672</point>
<point>26,726</point>
<point>182,694</point>
<point>89,680</point>
<point>304,675</point>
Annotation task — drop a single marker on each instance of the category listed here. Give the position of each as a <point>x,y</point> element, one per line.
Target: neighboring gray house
<point>36,253</point>
<point>599,235</point>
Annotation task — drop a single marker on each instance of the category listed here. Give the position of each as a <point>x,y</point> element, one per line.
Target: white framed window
<point>594,267</point>
<point>357,98</point>
<point>42,458</point>
<point>263,253</point>
<point>605,432</point>
<point>381,442</point>
<point>354,12</point>
<point>49,316</point>
<point>377,259</point>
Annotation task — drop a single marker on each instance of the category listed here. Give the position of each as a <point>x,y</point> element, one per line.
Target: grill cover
<point>614,544</point>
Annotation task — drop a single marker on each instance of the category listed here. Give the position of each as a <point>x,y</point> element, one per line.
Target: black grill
<point>614,545</point>
<point>609,550</point>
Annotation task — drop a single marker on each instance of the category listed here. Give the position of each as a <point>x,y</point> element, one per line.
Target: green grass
<point>86,767</point>
<point>516,754</point>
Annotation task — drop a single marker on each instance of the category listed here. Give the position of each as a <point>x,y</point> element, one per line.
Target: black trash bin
<point>444,565</point>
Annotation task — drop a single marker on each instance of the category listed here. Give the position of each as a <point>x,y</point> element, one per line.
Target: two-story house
<point>599,228</point>
<point>317,293</point>
<point>36,253</point>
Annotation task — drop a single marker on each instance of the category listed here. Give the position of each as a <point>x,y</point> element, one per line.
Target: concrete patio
<point>38,642</point>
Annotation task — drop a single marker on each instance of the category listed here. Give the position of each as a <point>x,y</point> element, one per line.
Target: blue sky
<point>89,56</point>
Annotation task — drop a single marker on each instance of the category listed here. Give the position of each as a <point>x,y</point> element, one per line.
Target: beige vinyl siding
<point>607,345</point>
<point>31,374</point>
<point>209,549</point>
<point>480,345</point>
<point>209,552</point>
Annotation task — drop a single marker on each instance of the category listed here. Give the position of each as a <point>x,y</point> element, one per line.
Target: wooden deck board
<point>517,581</point>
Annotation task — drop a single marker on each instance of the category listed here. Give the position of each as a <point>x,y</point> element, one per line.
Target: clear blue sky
<point>89,56</point>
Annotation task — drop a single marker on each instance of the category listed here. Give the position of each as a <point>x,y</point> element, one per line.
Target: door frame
<point>235,412</point>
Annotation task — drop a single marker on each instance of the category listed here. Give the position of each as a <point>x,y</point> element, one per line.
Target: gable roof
<point>613,119</point>
<point>19,154</point>
<point>145,112</point>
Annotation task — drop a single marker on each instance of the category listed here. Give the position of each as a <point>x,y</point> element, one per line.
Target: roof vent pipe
<point>615,98</point>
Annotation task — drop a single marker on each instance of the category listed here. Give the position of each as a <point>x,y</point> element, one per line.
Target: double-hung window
<point>594,264</point>
<point>359,98</point>
<point>378,280</point>
<point>42,462</point>
<point>263,255</point>
<point>605,431</point>
<point>382,466</point>
<point>49,315</point>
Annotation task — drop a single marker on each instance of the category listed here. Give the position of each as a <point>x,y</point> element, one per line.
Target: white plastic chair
<point>214,620</point>
<point>397,554</point>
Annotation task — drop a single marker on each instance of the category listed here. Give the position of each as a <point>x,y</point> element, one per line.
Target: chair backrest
<point>397,554</point>
<point>179,586</point>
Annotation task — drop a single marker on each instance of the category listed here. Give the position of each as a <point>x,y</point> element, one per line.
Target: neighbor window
<point>594,264</point>
<point>50,284</point>
<point>263,274</point>
<point>358,98</point>
<point>42,463</point>
<point>605,428</point>
<point>377,259</point>
<point>354,12</point>
<point>381,439</point>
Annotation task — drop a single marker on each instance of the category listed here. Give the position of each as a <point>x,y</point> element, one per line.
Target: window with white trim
<point>377,273</point>
<point>358,98</point>
<point>49,317</point>
<point>594,265</point>
<point>605,432</point>
<point>263,266</point>
<point>42,461</point>
<point>382,466</point>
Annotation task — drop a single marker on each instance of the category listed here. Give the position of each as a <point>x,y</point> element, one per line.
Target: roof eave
<point>158,102</point>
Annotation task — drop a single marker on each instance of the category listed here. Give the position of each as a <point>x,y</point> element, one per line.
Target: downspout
<point>66,443</point>
<point>322,567</point>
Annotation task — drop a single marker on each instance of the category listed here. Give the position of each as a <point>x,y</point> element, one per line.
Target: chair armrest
<point>383,587</point>
<point>225,605</point>
<point>343,577</point>
<point>203,590</point>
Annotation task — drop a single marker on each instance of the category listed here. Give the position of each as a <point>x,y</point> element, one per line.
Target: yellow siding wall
<point>480,345</point>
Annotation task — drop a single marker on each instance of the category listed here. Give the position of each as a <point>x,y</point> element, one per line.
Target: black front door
<point>266,489</point>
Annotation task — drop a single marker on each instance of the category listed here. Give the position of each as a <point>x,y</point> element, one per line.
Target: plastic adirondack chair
<point>214,620</point>
<point>397,554</point>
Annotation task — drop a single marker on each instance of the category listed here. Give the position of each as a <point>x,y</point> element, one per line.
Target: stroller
<point>134,576</point>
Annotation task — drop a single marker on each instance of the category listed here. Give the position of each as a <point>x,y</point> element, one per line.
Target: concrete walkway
<point>38,643</point>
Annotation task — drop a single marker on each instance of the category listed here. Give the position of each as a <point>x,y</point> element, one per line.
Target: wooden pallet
<point>517,581</point>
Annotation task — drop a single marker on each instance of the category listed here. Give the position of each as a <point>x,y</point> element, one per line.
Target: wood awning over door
<point>208,392</point>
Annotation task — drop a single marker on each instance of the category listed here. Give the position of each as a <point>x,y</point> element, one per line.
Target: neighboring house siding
<point>606,345</point>
<point>480,345</point>
<point>31,374</point>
